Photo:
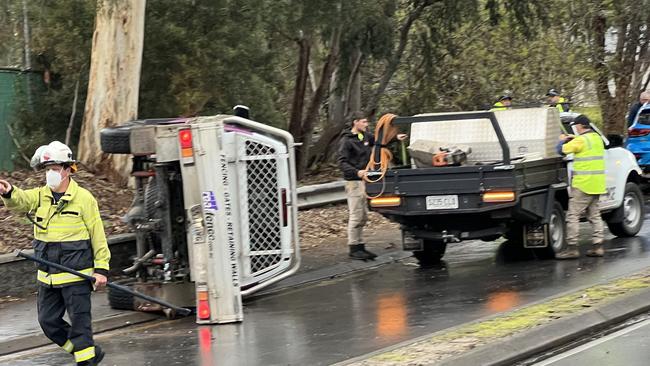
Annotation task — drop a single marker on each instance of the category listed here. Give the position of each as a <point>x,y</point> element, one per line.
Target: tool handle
<point>178,310</point>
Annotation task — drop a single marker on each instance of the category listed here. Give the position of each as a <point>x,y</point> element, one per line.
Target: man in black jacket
<point>354,153</point>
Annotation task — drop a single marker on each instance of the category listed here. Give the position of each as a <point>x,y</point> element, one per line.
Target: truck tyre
<point>556,230</point>
<point>556,234</point>
<point>119,299</point>
<point>116,140</point>
<point>433,251</point>
<point>632,207</point>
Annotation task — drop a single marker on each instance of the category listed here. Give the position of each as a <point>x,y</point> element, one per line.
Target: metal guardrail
<point>321,194</point>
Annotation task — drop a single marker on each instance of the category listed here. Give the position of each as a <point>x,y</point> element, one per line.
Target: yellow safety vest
<point>588,171</point>
<point>70,232</point>
<point>561,104</point>
<point>498,106</point>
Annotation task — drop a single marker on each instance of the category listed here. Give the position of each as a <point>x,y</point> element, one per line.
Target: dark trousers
<point>54,302</point>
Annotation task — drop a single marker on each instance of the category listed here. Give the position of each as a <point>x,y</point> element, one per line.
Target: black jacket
<point>354,153</point>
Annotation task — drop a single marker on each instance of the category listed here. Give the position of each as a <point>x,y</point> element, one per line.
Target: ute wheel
<point>433,251</point>
<point>632,207</point>
<point>116,140</point>
<point>119,299</point>
<point>556,232</point>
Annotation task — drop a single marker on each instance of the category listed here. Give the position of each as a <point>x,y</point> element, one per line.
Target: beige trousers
<point>578,204</point>
<point>358,210</point>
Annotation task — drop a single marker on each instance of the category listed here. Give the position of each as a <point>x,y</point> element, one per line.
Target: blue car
<point>638,139</point>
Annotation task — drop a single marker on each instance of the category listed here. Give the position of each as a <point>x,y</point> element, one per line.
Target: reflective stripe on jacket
<point>588,171</point>
<point>70,233</point>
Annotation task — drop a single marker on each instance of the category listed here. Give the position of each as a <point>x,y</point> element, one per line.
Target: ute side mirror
<point>615,140</point>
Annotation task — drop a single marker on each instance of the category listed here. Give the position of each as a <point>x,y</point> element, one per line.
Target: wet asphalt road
<point>343,318</point>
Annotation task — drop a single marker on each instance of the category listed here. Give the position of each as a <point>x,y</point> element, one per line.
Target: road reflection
<point>391,316</point>
<point>502,301</point>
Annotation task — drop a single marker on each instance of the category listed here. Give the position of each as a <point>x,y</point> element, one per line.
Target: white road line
<point>592,344</point>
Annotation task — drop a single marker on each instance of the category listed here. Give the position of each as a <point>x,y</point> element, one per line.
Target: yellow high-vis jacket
<point>70,232</point>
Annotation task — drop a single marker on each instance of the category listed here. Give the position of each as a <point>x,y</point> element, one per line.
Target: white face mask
<point>53,179</point>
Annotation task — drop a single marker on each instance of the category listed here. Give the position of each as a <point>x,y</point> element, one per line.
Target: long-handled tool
<point>178,310</point>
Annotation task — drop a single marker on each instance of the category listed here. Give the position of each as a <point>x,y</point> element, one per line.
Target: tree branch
<point>394,61</point>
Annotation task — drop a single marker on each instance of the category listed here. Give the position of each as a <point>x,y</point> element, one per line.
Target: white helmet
<point>54,153</point>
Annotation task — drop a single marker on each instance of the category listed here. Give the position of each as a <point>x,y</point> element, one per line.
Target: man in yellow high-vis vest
<point>587,184</point>
<point>557,101</point>
<point>503,103</point>
<point>68,230</point>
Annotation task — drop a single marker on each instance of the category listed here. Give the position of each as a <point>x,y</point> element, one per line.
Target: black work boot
<point>358,251</point>
<point>371,254</point>
<point>99,356</point>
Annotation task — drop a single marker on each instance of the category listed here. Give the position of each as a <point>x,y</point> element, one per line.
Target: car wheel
<point>633,212</point>
<point>557,229</point>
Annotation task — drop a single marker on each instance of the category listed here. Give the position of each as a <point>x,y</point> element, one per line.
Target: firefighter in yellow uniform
<point>587,184</point>
<point>67,230</point>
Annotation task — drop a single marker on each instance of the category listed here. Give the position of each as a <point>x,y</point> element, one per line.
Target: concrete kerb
<point>524,344</point>
<point>551,335</point>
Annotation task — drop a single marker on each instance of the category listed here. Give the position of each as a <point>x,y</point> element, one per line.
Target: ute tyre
<point>432,253</point>
<point>556,233</point>
<point>633,213</point>
<point>116,140</point>
<point>121,300</point>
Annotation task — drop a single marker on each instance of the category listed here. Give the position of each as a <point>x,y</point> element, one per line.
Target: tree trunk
<point>340,107</point>
<point>114,81</point>
<point>299,91</point>
<point>316,101</point>
<point>396,58</point>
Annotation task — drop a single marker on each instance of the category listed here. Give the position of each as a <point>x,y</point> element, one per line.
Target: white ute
<point>215,211</point>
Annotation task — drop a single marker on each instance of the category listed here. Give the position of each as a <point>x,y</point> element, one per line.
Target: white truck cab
<point>215,212</point>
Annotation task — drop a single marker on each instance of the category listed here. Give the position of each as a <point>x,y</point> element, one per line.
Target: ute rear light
<point>390,201</point>
<point>203,305</point>
<point>504,196</point>
<point>638,132</point>
<point>185,140</point>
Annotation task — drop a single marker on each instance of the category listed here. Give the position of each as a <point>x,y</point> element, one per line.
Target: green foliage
<point>204,57</point>
<point>471,66</point>
<point>61,45</point>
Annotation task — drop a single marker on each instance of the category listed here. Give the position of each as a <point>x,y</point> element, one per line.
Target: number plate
<point>442,202</point>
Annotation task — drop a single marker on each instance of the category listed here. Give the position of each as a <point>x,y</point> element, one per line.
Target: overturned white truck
<point>215,211</point>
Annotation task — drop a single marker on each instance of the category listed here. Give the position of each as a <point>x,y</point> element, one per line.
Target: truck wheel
<point>433,251</point>
<point>556,230</point>
<point>119,299</point>
<point>633,212</point>
<point>116,140</point>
